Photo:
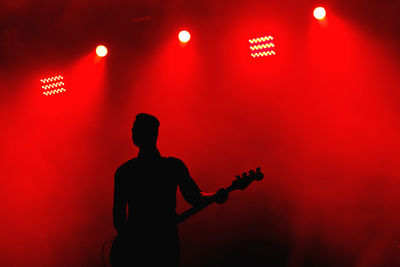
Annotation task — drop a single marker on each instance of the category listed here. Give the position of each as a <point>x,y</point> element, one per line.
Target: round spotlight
<point>101,51</point>
<point>319,13</point>
<point>184,36</point>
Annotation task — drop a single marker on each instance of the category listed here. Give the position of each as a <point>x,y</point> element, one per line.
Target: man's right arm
<point>190,190</point>
<point>120,202</point>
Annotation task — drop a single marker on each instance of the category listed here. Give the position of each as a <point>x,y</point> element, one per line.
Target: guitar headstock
<point>244,180</point>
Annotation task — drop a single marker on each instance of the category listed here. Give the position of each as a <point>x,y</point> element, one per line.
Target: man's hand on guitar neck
<point>220,197</point>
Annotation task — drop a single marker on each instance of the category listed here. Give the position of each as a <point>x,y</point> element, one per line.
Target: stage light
<point>319,13</point>
<point>184,36</point>
<point>262,46</point>
<point>53,85</point>
<point>101,51</point>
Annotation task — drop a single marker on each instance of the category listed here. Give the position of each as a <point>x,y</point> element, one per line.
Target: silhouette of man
<point>145,201</point>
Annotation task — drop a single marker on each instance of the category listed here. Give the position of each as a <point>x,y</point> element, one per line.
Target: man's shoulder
<point>174,160</point>
<point>126,166</point>
<point>176,163</point>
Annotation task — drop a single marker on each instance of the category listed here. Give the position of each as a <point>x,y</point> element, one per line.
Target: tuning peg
<point>259,175</point>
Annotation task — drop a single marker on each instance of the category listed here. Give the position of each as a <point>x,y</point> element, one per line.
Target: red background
<point>320,118</point>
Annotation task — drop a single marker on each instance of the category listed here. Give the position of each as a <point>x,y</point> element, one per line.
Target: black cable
<point>102,251</point>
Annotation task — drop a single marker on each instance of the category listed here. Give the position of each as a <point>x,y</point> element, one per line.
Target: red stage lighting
<point>184,36</point>
<point>53,85</point>
<point>319,13</point>
<point>262,46</point>
<point>101,51</point>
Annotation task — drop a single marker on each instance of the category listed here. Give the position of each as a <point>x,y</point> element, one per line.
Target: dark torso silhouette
<point>144,208</point>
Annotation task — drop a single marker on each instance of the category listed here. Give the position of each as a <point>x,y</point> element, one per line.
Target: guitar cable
<point>102,252</point>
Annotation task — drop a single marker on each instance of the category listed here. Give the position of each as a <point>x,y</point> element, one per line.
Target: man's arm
<point>120,202</point>
<point>190,190</point>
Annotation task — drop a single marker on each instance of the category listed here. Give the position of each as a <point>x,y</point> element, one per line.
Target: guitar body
<point>118,254</point>
<point>146,246</point>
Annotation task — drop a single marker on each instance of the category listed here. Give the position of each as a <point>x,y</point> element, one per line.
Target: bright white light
<point>101,51</point>
<point>184,36</point>
<point>319,13</point>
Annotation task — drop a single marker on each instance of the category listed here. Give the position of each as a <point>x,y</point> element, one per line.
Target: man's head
<point>145,130</point>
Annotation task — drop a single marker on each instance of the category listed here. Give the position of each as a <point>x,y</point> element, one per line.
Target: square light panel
<point>262,46</point>
<point>53,85</point>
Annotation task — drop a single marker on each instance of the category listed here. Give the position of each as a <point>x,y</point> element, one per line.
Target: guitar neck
<point>192,211</point>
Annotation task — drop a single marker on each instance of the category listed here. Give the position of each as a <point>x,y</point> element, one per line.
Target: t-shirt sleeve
<point>120,201</point>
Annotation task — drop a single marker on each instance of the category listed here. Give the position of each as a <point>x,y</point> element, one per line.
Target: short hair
<point>146,121</point>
